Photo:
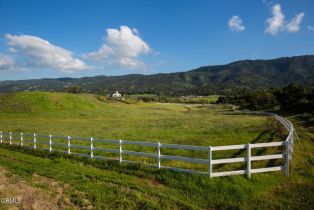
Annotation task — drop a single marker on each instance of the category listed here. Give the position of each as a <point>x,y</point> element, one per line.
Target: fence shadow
<point>137,170</point>
<point>261,138</point>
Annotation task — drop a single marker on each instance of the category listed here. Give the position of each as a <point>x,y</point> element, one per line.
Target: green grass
<point>85,116</point>
<point>108,185</point>
<point>210,99</point>
<point>38,102</point>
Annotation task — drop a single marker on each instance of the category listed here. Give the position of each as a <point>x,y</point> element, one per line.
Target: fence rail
<point>38,139</point>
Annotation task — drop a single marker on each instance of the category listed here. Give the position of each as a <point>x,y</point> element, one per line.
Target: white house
<point>116,95</point>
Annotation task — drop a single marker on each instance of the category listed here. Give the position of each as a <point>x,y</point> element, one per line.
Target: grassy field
<point>107,185</point>
<point>209,99</point>
<point>84,115</point>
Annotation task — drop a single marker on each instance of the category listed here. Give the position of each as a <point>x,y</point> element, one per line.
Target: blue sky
<point>85,38</point>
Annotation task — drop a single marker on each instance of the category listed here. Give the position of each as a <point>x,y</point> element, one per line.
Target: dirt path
<point>42,193</point>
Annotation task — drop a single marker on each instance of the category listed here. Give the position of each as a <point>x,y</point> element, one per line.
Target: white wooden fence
<point>286,155</point>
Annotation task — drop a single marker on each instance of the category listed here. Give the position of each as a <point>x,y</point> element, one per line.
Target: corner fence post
<point>158,155</point>
<point>22,139</point>
<point>50,143</point>
<point>0,137</point>
<point>287,159</point>
<point>120,151</point>
<point>290,144</point>
<point>210,166</point>
<point>91,148</point>
<point>10,138</point>
<point>34,140</point>
<point>248,160</point>
<point>69,145</point>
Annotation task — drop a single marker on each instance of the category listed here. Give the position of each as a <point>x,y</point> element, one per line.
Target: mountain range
<point>251,74</point>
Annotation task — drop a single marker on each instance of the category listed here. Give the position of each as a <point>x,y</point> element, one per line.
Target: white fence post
<point>34,140</point>
<point>290,144</point>
<point>50,143</point>
<point>10,138</point>
<point>0,137</point>
<point>292,137</point>
<point>69,145</point>
<point>22,139</point>
<point>158,155</point>
<point>248,159</point>
<point>91,148</point>
<point>287,159</point>
<point>120,151</point>
<point>210,166</point>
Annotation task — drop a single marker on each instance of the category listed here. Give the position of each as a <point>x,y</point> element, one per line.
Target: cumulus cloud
<point>236,24</point>
<point>121,47</point>
<point>6,62</point>
<point>37,52</point>
<point>277,22</point>
<point>294,24</point>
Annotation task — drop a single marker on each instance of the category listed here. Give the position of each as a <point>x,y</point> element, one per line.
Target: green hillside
<point>46,102</point>
<point>207,80</point>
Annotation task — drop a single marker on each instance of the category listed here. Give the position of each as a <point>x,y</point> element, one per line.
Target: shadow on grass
<point>264,137</point>
<point>306,120</point>
<point>134,169</point>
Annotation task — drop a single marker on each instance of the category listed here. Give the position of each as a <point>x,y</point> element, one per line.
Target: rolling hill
<point>254,74</point>
<point>38,101</point>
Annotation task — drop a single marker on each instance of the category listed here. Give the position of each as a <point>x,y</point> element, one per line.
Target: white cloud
<point>6,62</point>
<point>121,47</point>
<point>294,24</point>
<point>37,52</point>
<point>136,31</point>
<point>267,2</point>
<point>236,24</point>
<point>311,28</point>
<point>277,22</point>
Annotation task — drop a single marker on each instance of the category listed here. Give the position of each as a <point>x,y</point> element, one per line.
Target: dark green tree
<point>73,89</point>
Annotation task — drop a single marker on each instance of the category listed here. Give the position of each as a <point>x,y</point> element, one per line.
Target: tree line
<point>294,98</point>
